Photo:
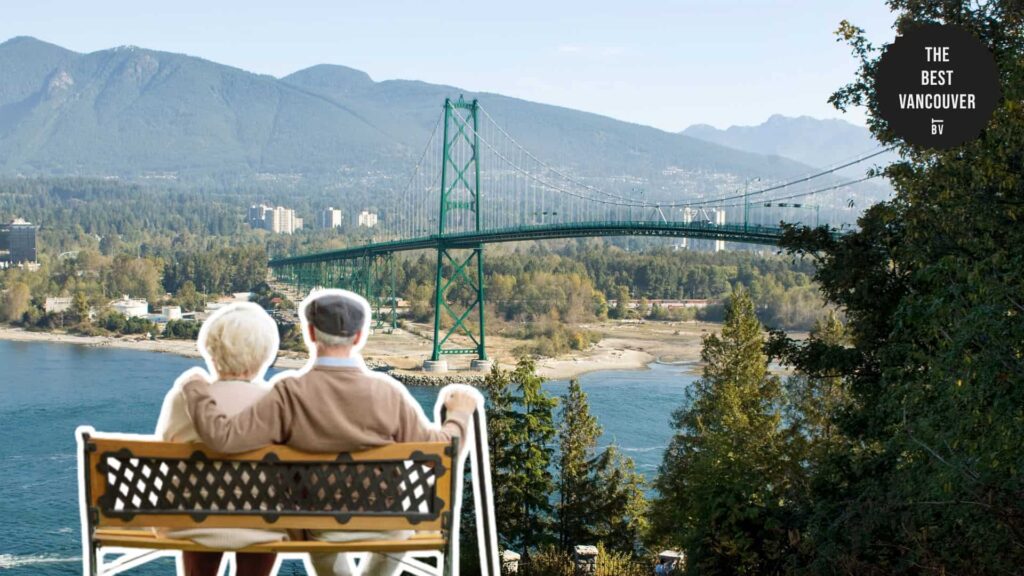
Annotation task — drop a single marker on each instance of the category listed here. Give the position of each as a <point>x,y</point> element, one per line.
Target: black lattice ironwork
<point>269,487</point>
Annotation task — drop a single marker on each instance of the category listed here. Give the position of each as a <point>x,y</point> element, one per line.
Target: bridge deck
<point>751,234</point>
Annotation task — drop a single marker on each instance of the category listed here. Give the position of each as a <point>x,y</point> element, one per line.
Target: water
<point>47,390</point>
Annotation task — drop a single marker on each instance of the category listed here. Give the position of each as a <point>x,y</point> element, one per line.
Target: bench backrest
<point>176,485</point>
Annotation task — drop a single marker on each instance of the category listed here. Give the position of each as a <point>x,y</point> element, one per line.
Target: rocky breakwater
<point>419,378</point>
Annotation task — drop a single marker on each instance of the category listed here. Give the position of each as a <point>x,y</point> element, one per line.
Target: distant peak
<point>21,40</point>
<point>701,127</point>
<point>330,75</point>
<point>28,42</point>
<point>776,119</point>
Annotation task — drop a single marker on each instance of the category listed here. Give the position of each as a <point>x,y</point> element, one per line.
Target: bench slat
<point>146,539</point>
<point>284,453</point>
<point>374,523</point>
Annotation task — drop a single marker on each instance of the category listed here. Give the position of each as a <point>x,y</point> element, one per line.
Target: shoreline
<point>549,368</point>
<point>615,352</point>
<point>185,348</point>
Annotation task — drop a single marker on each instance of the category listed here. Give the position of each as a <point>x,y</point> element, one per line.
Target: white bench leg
<point>130,558</point>
<point>418,567</point>
<point>375,565</point>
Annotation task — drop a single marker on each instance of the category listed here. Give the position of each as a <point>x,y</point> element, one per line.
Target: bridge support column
<point>458,294</point>
<point>459,283</point>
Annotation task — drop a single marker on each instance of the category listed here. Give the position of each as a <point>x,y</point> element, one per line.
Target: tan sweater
<point>174,426</point>
<point>328,409</point>
<point>232,396</point>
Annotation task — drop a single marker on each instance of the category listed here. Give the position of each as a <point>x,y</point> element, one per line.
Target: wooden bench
<point>131,486</point>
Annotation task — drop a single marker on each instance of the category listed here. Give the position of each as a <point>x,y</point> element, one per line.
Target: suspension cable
<point>631,202</point>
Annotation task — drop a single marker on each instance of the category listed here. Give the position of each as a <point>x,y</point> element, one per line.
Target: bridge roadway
<point>747,234</point>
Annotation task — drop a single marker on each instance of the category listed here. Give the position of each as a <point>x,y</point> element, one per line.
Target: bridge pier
<point>480,365</point>
<point>435,366</point>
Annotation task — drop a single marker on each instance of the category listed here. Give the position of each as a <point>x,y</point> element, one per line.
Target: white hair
<point>239,339</point>
<point>331,340</point>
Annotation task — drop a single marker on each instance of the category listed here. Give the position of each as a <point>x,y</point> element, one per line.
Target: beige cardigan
<point>327,409</point>
<point>174,425</point>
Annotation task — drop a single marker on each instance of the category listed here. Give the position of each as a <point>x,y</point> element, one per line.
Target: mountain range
<point>820,143</point>
<point>131,112</point>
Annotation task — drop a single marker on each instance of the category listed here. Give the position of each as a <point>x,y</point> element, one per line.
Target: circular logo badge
<point>937,86</point>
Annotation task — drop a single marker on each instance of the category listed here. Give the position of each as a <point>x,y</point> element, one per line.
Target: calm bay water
<point>47,390</point>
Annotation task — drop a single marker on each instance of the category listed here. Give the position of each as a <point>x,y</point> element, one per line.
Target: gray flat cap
<point>336,314</point>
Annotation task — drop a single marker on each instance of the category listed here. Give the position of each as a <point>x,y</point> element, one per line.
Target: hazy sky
<point>664,63</point>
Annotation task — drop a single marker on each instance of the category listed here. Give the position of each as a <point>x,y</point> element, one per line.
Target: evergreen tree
<point>621,309</point>
<point>724,479</point>
<point>618,506</point>
<point>526,452</point>
<point>188,298</point>
<point>601,499</point>
<point>80,307</point>
<point>577,440</point>
<point>521,433</point>
<point>815,401</point>
<point>500,423</point>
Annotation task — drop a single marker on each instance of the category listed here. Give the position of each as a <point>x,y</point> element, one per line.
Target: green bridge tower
<point>459,286</point>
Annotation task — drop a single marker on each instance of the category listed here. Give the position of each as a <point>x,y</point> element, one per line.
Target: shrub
<point>182,329</point>
<point>552,339</point>
<point>551,561</point>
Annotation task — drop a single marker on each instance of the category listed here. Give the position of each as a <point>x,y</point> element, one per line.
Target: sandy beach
<point>179,347</point>
<point>624,346</point>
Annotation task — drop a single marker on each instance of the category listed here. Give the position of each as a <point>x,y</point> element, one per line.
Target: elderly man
<point>337,405</point>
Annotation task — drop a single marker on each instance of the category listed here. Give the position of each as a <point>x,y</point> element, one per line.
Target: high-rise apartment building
<point>256,214</point>
<point>330,218</point>
<point>279,220</point>
<point>18,242</point>
<point>712,217</point>
<point>367,219</point>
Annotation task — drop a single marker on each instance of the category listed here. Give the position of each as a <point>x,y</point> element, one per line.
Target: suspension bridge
<point>476,185</point>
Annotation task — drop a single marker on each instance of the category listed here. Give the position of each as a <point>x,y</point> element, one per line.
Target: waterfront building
<point>671,304</point>
<point>159,319</point>
<point>56,304</point>
<point>130,307</point>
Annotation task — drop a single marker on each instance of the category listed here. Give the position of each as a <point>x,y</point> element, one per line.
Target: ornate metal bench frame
<point>133,482</point>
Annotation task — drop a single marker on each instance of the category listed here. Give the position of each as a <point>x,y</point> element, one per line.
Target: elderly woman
<point>239,342</point>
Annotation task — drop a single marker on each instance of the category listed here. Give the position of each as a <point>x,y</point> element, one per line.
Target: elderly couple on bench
<point>337,405</point>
